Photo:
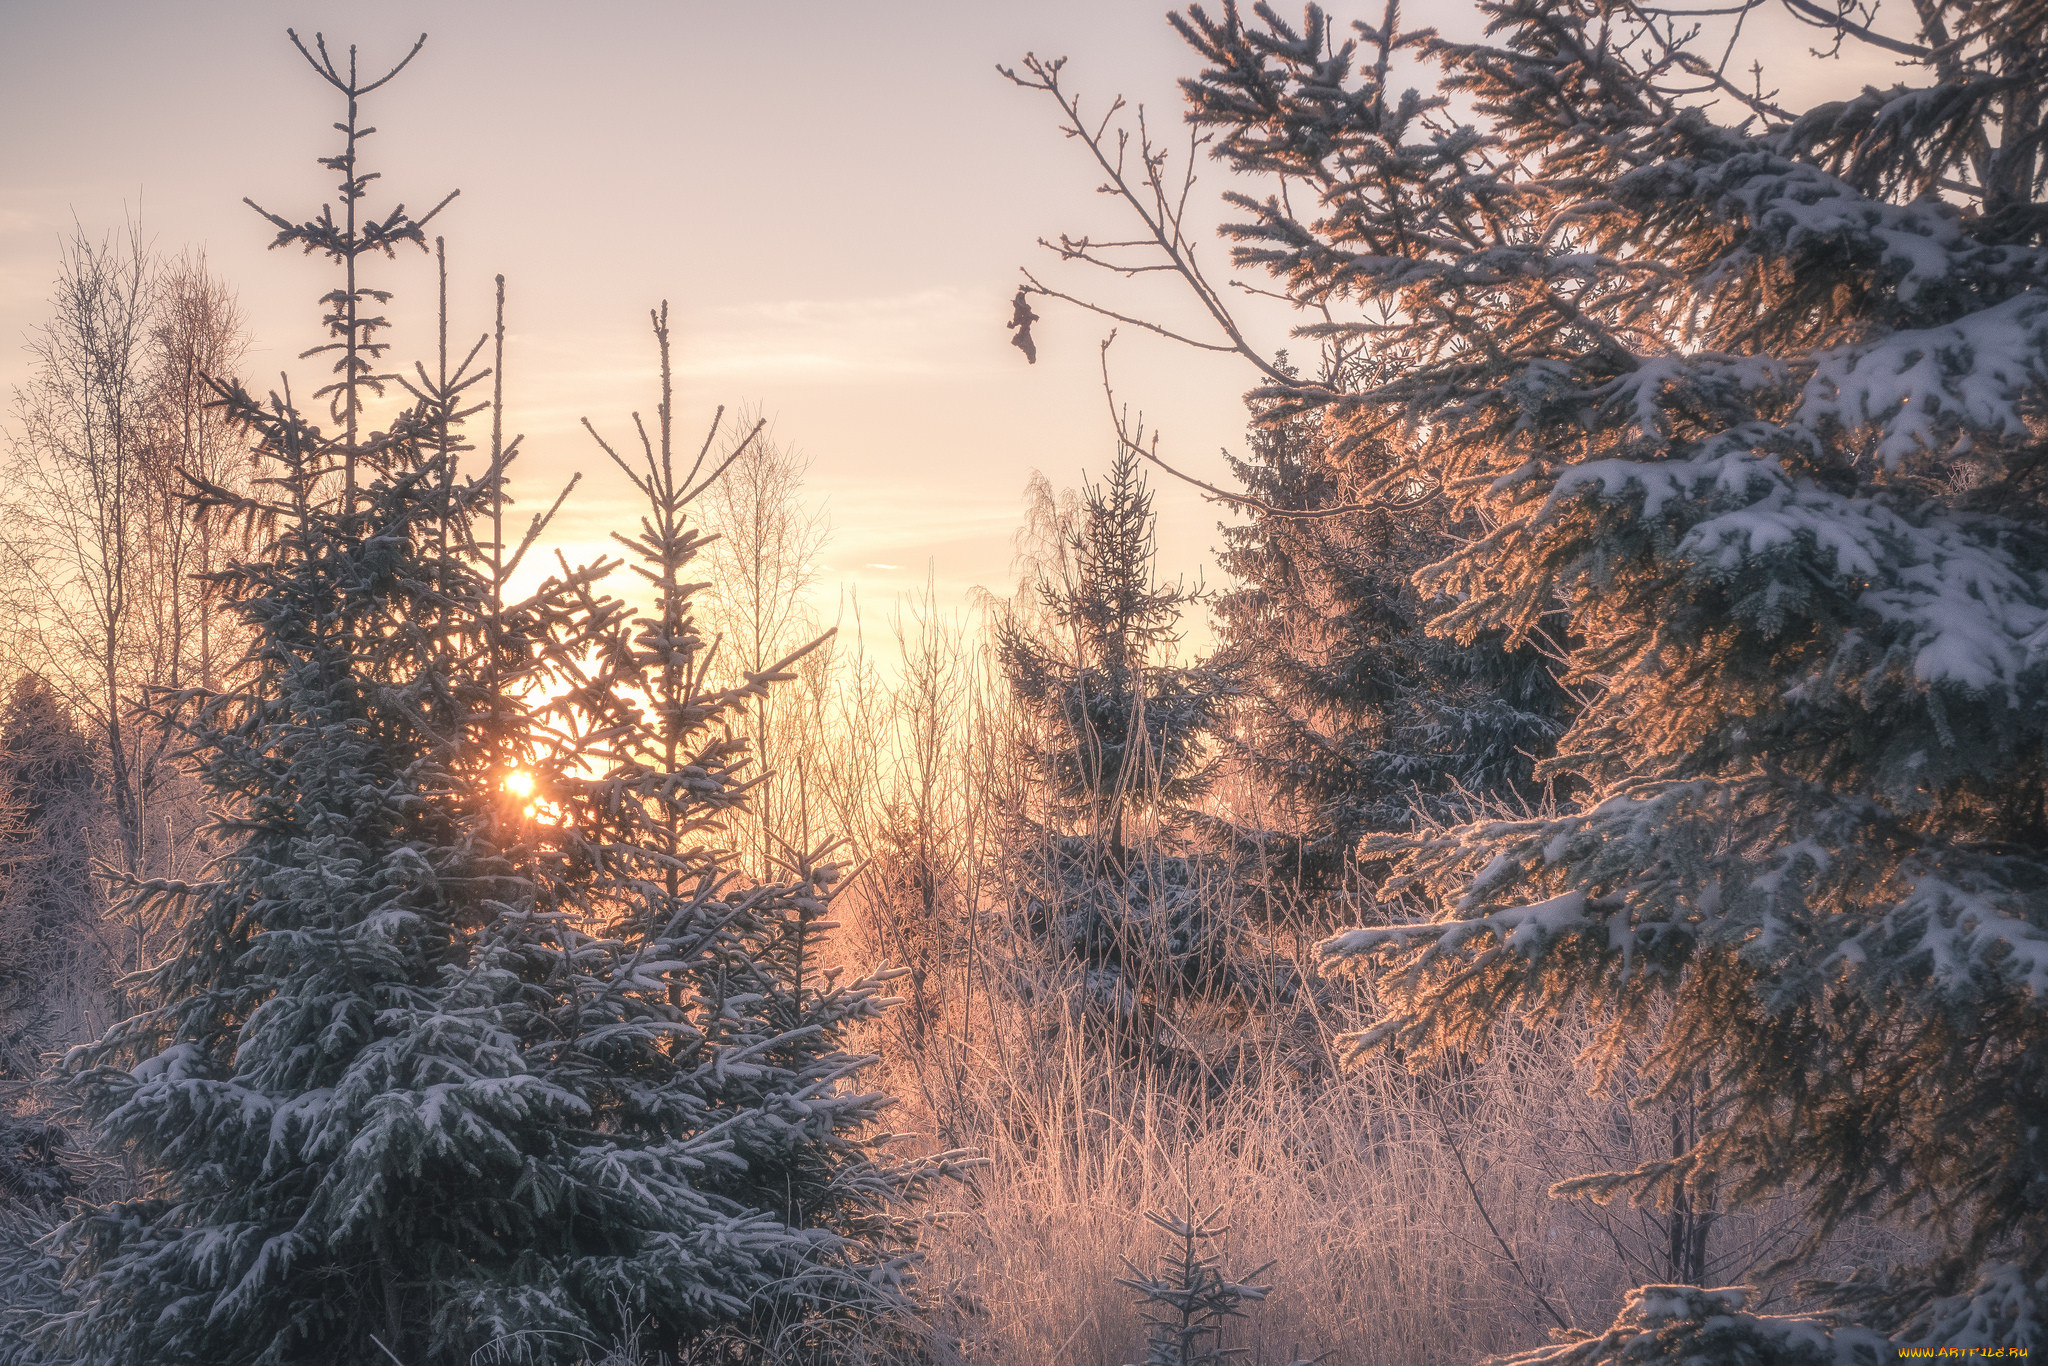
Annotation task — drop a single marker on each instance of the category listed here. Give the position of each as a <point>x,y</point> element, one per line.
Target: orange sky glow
<point>836,199</point>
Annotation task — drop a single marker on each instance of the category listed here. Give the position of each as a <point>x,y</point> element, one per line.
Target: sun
<point>519,784</point>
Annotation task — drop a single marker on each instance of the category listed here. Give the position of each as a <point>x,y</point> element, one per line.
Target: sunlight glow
<point>519,784</point>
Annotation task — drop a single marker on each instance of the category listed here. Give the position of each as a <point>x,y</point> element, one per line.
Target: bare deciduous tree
<point>77,482</point>
<point>104,557</point>
<point>765,564</point>
<point>196,331</point>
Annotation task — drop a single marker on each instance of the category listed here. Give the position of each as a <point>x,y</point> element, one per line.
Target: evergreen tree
<point>1686,1323</point>
<point>1190,1302</point>
<point>31,1283</point>
<point>713,1035</point>
<point>54,978</point>
<point>1757,405</point>
<point>1120,743</point>
<point>353,1147</point>
<point>1355,715</point>
<point>57,969</point>
<point>1122,730</point>
<point>463,1048</point>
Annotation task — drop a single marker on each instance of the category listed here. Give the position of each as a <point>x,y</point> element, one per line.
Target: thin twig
<point>1480,1205</point>
<point>1135,445</point>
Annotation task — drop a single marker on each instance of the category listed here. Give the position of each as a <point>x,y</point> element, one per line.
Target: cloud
<point>768,345</point>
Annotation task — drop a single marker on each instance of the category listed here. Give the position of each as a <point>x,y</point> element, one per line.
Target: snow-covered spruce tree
<point>58,965</point>
<point>54,979</point>
<point>1683,1323</point>
<point>1353,714</point>
<point>1189,1303</point>
<point>1756,397</point>
<point>1126,730</point>
<point>463,1048</point>
<point>712,1036</point>
<point>328,1090</point>
<point>356,1148</point>
<point>1120,742</point>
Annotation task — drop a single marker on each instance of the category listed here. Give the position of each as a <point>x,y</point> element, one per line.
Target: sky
<point>834,197</point>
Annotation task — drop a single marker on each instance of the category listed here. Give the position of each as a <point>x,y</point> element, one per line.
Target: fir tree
<point>1120,743</point>
<point>713,1034</point>
<point>1757,406</point>
<point>55,977</point>
<point>463,1048</point>
<point>31,1284</point>
<point>53,974</point>
<point>354,1152</point>
<point>1686,1323</point>
<point>1190,1302</point>
<point>1122,729</point>
<point>57,968</point>
<point>1355,715</point>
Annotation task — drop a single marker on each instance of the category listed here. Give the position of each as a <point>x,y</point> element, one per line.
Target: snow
<point>1685,1325</point>
<point>1964,608</point>
<point>1917,386</point>
<point>1524,928</point>
<point>1966,935</point>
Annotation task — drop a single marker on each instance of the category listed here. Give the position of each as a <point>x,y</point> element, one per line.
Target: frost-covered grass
<point>1408,1217</point>
<point>1389,1204</point>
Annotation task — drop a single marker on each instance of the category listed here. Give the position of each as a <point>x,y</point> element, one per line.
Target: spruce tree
<point>353,1151</point>
<point>1753,396</point>
<point>1125,730</point>
<point>1187,1306</point>
<point>464,1049</point>
<point>55,974</point>
<point>1354,715</point>
<point>58,966</point>
<point>1121,746</point>
<point>713,1037</point>
<point>1683,1323</point>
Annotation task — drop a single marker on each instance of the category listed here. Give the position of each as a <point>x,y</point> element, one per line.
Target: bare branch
<point>1134,443</point>
<point>1162,216</point>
